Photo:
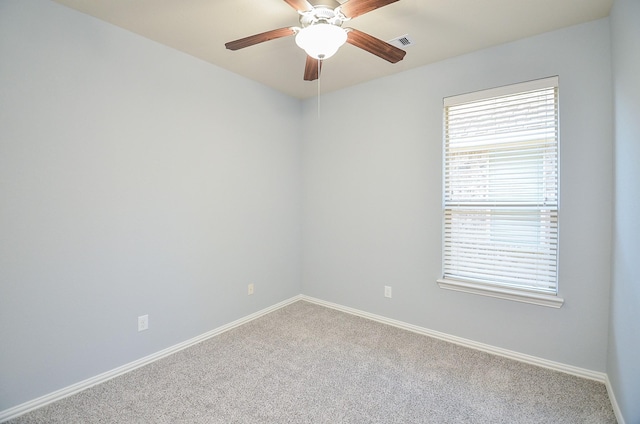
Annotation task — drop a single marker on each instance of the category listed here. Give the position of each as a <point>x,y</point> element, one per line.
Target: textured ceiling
<point>439,29</point>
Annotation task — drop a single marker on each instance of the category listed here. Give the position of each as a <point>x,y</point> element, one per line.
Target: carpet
<point>306,363</point>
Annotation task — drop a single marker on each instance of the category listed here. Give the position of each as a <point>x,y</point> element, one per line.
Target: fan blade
<point>375,46</point>
<point>354,8</point>
<point>300,5</point>
<point>312,69</point>
<point>259,38</point>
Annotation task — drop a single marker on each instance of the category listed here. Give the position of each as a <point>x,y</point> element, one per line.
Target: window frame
<point>501,290</point>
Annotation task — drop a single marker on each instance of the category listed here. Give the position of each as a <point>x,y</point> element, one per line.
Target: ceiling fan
<point>321,33</point>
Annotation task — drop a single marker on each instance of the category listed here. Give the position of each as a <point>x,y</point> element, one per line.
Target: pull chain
<point>319,73</point>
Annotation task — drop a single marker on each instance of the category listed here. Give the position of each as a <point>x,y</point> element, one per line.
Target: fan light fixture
<point>321,40</point>
<point>321,33</point>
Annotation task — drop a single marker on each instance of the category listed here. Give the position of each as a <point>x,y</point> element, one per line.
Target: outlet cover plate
<point>143,322</point>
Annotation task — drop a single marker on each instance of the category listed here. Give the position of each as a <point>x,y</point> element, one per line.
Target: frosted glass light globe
<point>321,41</point>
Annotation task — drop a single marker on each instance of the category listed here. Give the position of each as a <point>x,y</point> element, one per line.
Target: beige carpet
<point>308,364</point>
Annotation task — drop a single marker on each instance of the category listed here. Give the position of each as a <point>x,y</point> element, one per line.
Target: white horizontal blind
<point>501,187</point>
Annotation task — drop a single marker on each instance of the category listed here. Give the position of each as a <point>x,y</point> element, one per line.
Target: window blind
<point>501,187</point>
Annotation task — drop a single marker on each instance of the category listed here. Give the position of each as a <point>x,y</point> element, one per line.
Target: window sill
<point>502,293</point>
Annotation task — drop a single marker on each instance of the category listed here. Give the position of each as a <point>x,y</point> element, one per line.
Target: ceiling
<point>438,29</point>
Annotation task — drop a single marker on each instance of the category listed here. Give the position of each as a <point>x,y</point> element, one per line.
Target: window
<point>501,192</point>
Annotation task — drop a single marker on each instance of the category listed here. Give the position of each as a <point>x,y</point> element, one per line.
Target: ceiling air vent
<point>402,41</point>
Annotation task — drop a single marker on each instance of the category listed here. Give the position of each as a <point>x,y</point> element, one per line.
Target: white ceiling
<point>439,29</point>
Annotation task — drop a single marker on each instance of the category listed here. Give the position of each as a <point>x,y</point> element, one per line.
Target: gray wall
<point>372,208</point>
<point>624,335</point>
<point>133,180</point>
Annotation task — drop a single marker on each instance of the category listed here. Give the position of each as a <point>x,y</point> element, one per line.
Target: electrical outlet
<point>387,291</point>
<point>143,322</point>
<point>250,289</point>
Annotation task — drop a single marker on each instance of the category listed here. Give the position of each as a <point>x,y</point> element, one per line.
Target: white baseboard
<point>533,360</point>
<point>31,405</point>
<point>614,402</point>
<point>21,409</point>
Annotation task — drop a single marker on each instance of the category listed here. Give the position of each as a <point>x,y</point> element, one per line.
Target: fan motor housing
<point>322,14</point>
